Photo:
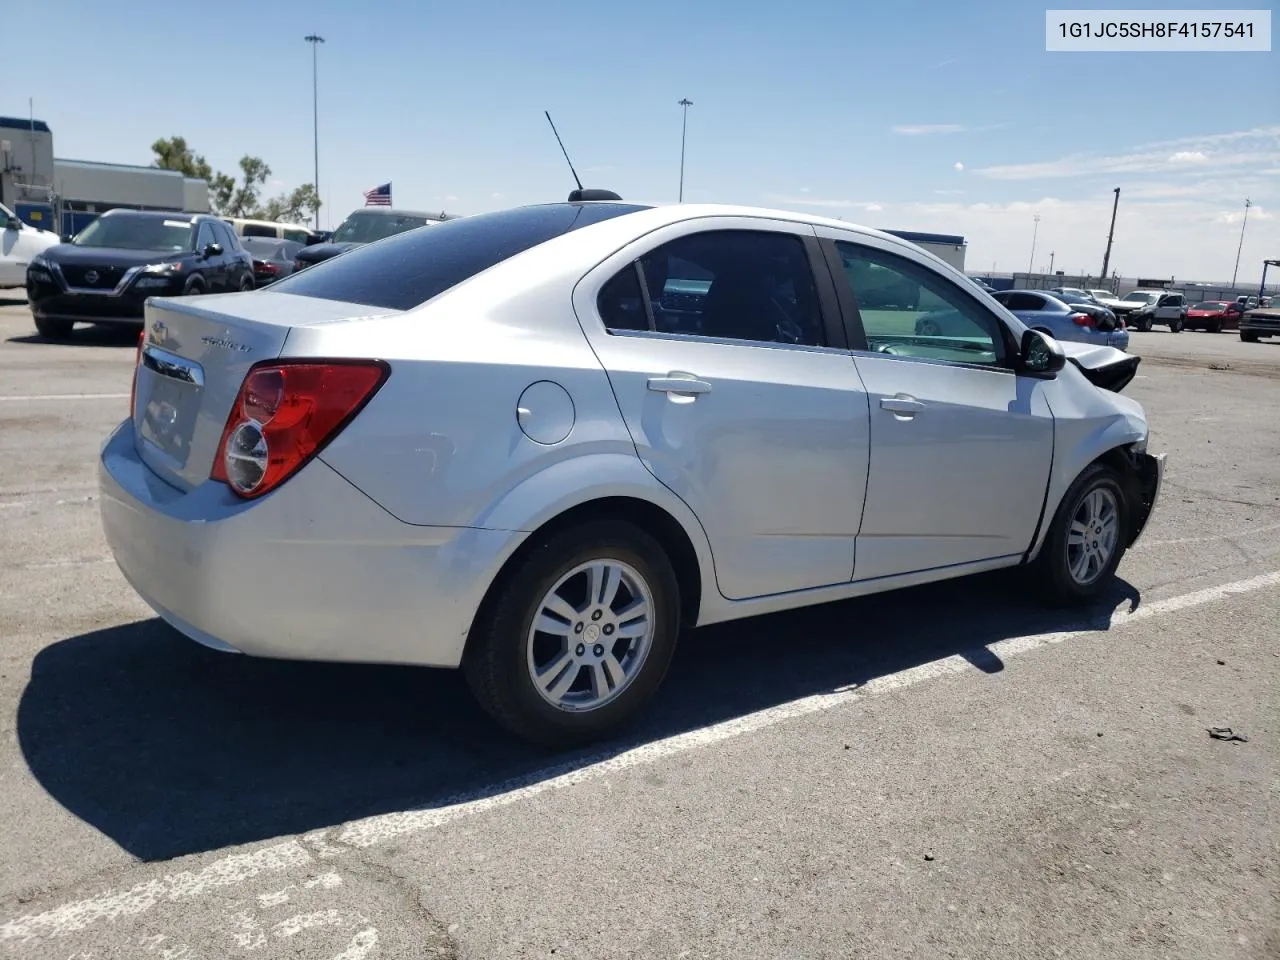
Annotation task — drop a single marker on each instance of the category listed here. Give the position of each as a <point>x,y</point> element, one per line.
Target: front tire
<point>576,638</point>
<point>193,287</point>
<point>1086,540</point>
<point>1248,337</point>
<point>53,328</point>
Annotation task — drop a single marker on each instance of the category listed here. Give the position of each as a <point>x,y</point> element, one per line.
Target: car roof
<point>158,214</point>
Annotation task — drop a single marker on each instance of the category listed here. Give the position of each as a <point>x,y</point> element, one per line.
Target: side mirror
<point>13,223</point>
<point>1041,356</point>
<point>66,238</point>
<point>213,250</point>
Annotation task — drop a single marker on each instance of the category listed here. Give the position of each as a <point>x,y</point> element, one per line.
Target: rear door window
<point>409,269</point>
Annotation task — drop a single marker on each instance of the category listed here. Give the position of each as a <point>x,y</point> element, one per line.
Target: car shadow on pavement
<point>90,336</point>
<point>169,749</point>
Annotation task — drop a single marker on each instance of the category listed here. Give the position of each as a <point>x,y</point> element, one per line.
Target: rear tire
<point>1144,324</point>
<point>603,684</point>
<point>246,284</point>
<point>53,328</point>
<point>1086,540</point>
<point>1175,326</point>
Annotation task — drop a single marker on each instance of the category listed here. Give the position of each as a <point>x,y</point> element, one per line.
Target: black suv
<point>106,272</point>
<point>365,226</point>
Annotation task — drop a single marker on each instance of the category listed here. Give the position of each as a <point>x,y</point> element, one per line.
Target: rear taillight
<point>284,414</point>
<point>137,362</point>
<point>1082,320</point>
<point>264,266</point>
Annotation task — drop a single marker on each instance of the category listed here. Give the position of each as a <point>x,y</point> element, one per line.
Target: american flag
<point>378,196</point>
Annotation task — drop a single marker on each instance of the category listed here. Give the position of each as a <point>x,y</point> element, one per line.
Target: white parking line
<point>236,869</point>
<point>32,397</point>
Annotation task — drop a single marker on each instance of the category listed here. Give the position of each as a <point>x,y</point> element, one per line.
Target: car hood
<point>1104,367</point>
<point>323,251</point>
<point>69,253</point>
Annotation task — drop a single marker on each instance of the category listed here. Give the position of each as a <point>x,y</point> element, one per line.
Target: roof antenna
<point>581,194</point>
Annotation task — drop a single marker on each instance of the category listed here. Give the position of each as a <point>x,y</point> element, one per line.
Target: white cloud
<point>1237,216</point>
<point>1250,148</point>
<point>927,129</point>
<point>949,193</point>
<point>873,208</point>
<point>959,166</point>
<point>497,196</point>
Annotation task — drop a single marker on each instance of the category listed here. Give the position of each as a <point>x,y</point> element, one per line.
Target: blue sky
<point>911,115</point>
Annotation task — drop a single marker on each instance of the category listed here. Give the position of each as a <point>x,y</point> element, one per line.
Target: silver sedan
<point>535,444</point>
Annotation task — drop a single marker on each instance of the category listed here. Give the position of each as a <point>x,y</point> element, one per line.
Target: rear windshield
<point>403,271</point>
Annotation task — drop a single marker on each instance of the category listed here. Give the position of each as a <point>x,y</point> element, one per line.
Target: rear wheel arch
<point>643,514</point>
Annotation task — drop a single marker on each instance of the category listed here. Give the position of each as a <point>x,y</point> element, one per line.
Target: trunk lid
<point>196,352</point>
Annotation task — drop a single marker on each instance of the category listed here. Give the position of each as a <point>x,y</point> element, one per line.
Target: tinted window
<point>205,236</point>
<point>909,309</point>
<point>733,284</point>
<point>367,227</point>
<point>621,304</point>
<point>227,237</point>
<point>406,270</point>
<point>259,230</point>
<point>1024,301</point>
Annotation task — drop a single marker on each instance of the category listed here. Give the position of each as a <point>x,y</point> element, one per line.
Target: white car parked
<point>534,444</point>
<point>19,243</point>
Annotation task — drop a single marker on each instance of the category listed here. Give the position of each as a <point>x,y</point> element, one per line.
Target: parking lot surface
<point>941,772</point>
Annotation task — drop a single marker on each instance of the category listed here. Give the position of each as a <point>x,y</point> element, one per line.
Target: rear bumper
<point>313,571</point>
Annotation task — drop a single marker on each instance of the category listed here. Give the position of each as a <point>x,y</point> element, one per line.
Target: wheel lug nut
<point>581,649</point>
<point>598,649</point>
<point>596,614</point>
<point>608,629</point>
<point>577,628</point>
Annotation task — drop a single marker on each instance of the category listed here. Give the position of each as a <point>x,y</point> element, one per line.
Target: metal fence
<point>1194,290</point>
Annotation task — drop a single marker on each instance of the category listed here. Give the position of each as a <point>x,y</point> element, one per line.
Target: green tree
<point>297,206</point>
<point>232,197</point>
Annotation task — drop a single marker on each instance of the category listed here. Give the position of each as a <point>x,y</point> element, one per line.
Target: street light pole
<point>1106,257</point>
<point>685,104</point>
<point>1031,261</point>
<point>315,40</point>
<point>1241,246</point>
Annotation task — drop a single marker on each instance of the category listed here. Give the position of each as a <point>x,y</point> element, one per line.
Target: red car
<point>1213,316</point>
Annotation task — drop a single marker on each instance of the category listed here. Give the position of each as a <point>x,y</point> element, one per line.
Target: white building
<point>33,182</point>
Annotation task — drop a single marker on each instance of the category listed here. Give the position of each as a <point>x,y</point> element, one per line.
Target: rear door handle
<point>684,385</point>
<point>901,405</point>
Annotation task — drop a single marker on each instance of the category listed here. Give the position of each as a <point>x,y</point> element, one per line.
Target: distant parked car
<point>108,270</point>
<point>983,284</point>
<point>272,259</point>
<point>20,243</point>
<point>1144,308</point>
<point>1259,322</point>
<point>1049,314</point>
<point>1087,304</point>
<point>1213,316</point>
<point>366,225</point>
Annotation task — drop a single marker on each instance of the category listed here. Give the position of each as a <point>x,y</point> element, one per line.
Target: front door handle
<point>684,385</point>
<point>904,406</point>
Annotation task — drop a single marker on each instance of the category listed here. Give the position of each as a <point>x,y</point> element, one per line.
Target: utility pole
<point>1032,259</point>
<point>1051,261</point>
<point>315,40</point>
<point>1106,257</point>
<point>1241,247</point>
<point>685,104</point>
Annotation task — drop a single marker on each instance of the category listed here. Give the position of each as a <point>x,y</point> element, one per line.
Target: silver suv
<point>1144,308</point>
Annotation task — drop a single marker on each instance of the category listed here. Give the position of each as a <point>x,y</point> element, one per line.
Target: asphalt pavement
<point>948,771</point>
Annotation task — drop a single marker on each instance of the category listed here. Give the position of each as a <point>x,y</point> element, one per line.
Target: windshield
<point>1209,305</point>
<point>368,227</point>
<point>1137,297</point>
<point>1099,294</point>
<point>138,233</point>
